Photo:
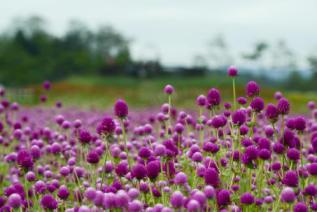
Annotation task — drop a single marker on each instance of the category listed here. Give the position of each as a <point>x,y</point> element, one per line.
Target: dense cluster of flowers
<point>246,155</point>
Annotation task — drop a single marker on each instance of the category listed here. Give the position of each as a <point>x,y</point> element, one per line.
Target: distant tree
<point>219,54</point>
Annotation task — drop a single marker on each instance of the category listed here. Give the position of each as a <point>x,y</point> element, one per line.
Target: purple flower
<point>290,179</point>
<point>288,195</point>
<point>293,154</point>
<point>93,157</point>
<point>84,136</point>
<point>300,123</point>
<point>239,117</point>
<point>49,202</point>
<point>153,169</point>
<point>47,85</point>
<point>211,177</point>
<point>63,192</point>
<point>138,171</point>
<point>247,198</point>
<point>14,200</point>
<point>180,178</point>
<point>283,106</point>
<point>257,104</point>
<point>312,169</point>
<point>177,199</point>
<point>214,97</point>
<point>232,71</point>
<point>106,127</point>
<point>168,89</point>
<point>201,100</point>
<point>242,100</point>
<point>145,153</point>
<point>223,198</point>
<point>252,89</point>
<point>193,206</point>
<point>121,109</point>
<point>24,159</point>
<point>300,207</point>
<point>271,112</point>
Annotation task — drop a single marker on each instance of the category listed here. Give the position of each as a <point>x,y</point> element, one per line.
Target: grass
<point>101,92</point>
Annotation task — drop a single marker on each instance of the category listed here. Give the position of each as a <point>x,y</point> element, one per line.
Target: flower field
<point>225,153</point>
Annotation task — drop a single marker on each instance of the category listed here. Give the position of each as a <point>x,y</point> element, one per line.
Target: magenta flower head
<point>49,202</point>
<point>168,89</point>
<point>300,123</point>
<point>239,117</point>
<point>223,198</point>
<point>288,195</point>
<point>293,154</point>
<point>14,200</point>
<point>247,198</point>
<point>180,178</point>
<point>283,106</point>
<point>24,159</point>
<point>84,136</point>
<point>312,169</point>
<point>257,104</point>
<point>153,169</point>
<point>138,171</point>
<point>214,97</point>
<point>311,105</point>
<point>106,127</point>
<point>290,179</point>
<point>63,192</point>
<point>232,71</point>
<point>300,207</point>
<point>271,112</point>
<point>47,85</point>
<point>211,177</point>
<point>177,199</point>
<point>121,109</point>
<point>252,89</point>
<point>93,157</point>
<point>201,100</point>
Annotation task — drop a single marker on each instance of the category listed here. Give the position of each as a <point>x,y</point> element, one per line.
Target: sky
<point>176,30</point>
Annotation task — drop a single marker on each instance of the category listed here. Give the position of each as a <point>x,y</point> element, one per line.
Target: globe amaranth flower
<point>300,123</point>
<point>214,97</point>
<point>283,106</point>
<point>121,109</point>
<point>223,198</point>
<point>300,207</point>
<point>15,200</point>
<point>312,169</point>
<point>242,100</point>
<point>271,112</point>
<point>290,179</point>
<point>47,85</point>
<point>177,199</point>
<point>63,192</point>
<point>239,117</point>
<point>153,169</point>
<point>180,178</point>
<point>293,154</point>
<point>232,71</point>
<point>24,159</point>
<point>257,104</point>
<point>201,100</point>
<point>138,171</point>
<point>169,89</point>
<point>49,202</point>
<point>288,195</point>
<point>106,127</point>
<point>252,89</point>
<point>84,136</point>
<point>93,157</point>
<point>247,198</point>
<point>211,177</point>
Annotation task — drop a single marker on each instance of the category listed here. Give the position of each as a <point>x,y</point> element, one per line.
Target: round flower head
<point>290,179</point>
<point>271,112</point>
<point>300,123</point>
<point>300,207</point>
<point>153,169</point>
<point>312,169</point>
<point>223,198</point>
<point>247,198</point>
<point>293,154</point>
<point>288,195</point>
<point>232,71</point>
<point>193,206</point>
<point>214,97</point>
<point>84,136</point>
<point>201,100</point>
<point>49,202</point>
<point>93,157</point>
<point>24,159</point>
<point>242,100</point>
<point>14,200</point>
<point>283,106</point>
<point>209,192</point>
<point>63,192</point>
<point>211,177</point>
<point>180,178</point>
<point>311,105</point>
<point>252,89</point>
<point>138,171</point>
<point>106,127</point>
<point>47,85</point>
<point>177,199</point>
<point>257,104</point>
<point>168,89</point>
<point>278,95</point>
<point>239,117</point>
<point>310,190</point>
<point>121,108</point>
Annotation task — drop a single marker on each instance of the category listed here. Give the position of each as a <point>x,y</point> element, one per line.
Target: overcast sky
<point>176,30</point>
